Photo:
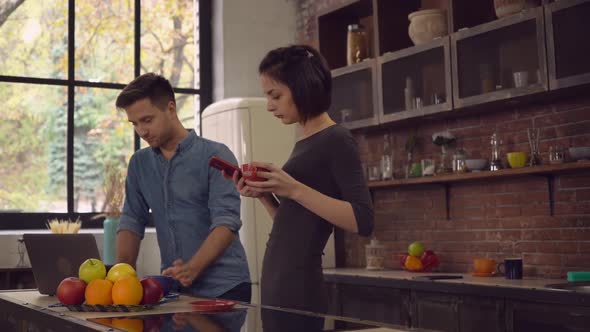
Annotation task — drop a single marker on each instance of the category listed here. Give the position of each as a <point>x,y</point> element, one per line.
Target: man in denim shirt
<point>195,210</point>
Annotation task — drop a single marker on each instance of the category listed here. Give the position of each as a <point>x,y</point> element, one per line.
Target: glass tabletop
<point>242,318</point>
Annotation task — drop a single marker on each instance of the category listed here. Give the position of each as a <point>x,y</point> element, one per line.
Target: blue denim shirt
<point>187,199</point>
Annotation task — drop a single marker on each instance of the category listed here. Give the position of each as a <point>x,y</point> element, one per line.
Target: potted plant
<point>443,139</point>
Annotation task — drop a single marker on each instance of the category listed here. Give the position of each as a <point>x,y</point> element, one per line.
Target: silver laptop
<point>55,257</point>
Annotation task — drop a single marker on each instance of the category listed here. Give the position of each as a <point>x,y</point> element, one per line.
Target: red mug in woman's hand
<point>249,172</point>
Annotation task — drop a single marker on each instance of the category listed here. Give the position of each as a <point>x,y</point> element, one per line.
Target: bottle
<point>387,158</point>
<point>357,47</point>
<point>110,225</point>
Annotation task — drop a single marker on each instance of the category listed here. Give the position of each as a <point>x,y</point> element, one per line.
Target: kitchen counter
<point>498,281</point>
<point>525,289</point>
<point>29,309</point>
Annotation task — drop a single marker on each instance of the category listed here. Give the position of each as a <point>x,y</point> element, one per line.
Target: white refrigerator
<point>253,134</point>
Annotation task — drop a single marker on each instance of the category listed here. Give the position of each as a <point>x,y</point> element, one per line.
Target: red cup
<point>249,172</point>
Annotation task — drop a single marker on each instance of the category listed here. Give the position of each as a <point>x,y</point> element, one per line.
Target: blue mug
<point>511,268</point>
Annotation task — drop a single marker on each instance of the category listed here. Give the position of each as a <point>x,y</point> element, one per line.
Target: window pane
<point>168,42</point>
<point>33,148</point>
<point>34,38</point>
<point>104,40</point>
<point>187,107</point>
<point>102,137</point>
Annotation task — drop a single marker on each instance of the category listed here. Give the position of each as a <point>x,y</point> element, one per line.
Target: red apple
<point>152,291</point>
<point>71,291</point>
<point>429,260</point>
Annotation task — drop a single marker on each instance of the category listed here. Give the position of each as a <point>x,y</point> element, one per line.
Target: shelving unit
<point>427,67</point>
<point>546,41</point>
<point>356,86</point>
<point>548,171</point>
<point>487,57</point>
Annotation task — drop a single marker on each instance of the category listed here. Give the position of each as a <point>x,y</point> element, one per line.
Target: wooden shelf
<point>446,180</point>
<point>450,178</point>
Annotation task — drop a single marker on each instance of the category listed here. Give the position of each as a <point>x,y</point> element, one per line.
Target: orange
<point>98,291</point>
<point>127,290</point>
<point>413,264</point>
<point>128,324</point>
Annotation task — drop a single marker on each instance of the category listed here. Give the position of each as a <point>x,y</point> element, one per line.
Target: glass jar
<point>357,44</point>
<point>459,165</point>
<point>374,254</point>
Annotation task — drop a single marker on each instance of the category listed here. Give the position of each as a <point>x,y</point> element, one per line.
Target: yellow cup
<point>517,159</point>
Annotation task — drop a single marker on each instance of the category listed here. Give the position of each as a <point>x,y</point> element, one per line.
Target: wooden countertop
<point>496,281</point>
<point>33,297</point>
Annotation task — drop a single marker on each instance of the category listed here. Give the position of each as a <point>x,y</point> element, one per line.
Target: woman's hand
<point>242,188</point>
<point>278,182</point>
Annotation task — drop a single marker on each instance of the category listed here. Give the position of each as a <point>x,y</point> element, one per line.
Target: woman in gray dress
<point>321,186</point>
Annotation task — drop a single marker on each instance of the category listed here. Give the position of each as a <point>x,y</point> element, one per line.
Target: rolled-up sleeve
<point>346,168</point>
<point>135,214</point>
<point>224,199</point>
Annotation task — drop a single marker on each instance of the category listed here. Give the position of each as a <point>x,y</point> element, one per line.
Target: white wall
<point>243,32</point>
<point>148,260</point>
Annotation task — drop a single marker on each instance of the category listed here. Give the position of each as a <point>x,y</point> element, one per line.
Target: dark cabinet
<point>17,278</point>
<point>481,314</point>
<point>387,305</point>
<point>355,87</point>
<point>434,311</point>
<point>500,60</point>
<point>542,317</point>
<point>568,45</point>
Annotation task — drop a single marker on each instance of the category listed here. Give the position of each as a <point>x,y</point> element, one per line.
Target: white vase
<point>508,7</point>
<point>425,25</point>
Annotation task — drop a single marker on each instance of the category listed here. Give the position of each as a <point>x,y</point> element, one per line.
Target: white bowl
<point>425,25</point>
<point>476,164</point>
<point>580,152</point>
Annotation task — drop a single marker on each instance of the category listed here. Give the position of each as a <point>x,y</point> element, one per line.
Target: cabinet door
<point>434,311</point>
<point>542,317</point>
<point>481,314</point>
<point>387,305</point>
<point>333,299</point>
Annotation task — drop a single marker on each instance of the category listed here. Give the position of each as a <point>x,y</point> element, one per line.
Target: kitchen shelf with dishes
<point>497,51</point>
<point>549,171</point>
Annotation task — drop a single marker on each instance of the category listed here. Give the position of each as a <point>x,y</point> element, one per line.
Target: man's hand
<point>182,272</point>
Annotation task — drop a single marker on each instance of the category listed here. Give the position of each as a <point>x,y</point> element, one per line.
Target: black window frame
<point>38,220</point>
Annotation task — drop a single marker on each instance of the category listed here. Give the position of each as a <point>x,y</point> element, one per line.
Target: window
<point>62,65</point>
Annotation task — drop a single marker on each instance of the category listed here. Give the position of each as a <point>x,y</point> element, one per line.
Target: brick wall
<point>488,218</point>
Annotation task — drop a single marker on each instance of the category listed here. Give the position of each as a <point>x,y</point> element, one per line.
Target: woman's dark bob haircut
<point>305,72</point>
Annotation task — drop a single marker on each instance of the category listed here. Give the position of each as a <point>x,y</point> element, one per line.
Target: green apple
<point>91,269</point>
<point>119,271</point>
<point>416,249</point>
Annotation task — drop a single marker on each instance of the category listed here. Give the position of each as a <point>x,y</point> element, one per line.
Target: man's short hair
<point>150,85</point>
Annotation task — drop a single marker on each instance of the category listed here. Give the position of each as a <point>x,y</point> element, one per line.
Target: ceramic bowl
<point>517,159</point>
<point>580,153</point>
<point>476,164</point>
<point>425,25</point>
